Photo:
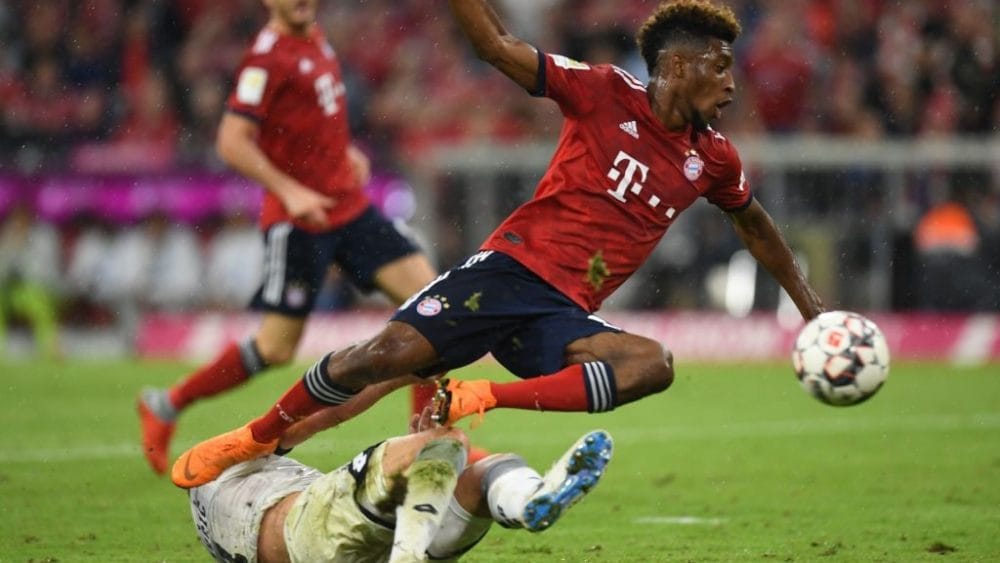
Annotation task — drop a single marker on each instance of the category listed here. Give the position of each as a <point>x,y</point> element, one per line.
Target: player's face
<point>296,14</point>
<point>710,85</point>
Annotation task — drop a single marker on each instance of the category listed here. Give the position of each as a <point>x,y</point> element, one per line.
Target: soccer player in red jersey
<point>286,127</point>
<point>630,158</point>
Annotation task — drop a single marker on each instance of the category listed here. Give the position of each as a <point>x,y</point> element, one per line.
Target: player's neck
<point>664,106</point>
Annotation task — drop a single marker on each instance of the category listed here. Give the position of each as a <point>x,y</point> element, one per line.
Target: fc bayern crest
<point>693,167</point>
<point>429,306</point>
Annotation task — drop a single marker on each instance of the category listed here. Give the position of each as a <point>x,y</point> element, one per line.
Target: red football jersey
<point>617,181</point>
<point>291,86</point>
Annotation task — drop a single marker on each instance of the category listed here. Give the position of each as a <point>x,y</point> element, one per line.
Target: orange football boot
<point>207,460</point>
<point>456,400</point>
<point>156,435</point>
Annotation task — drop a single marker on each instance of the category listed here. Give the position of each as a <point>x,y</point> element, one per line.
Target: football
<point>841,358</point>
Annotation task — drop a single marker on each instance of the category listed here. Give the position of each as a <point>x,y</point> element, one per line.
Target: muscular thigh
<point>404,276</point>
<point>545,344</point>
<point>612,347</point>
<point>374,254</point>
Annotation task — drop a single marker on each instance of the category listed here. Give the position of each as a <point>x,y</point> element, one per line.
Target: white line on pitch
<point>758,429</point>
<point>75,453</point>
<point>106,451</point>
<point>680,520</point>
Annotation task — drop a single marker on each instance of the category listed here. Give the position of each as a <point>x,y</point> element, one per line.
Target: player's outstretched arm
<point>762,238</point>
<point>493,44</point>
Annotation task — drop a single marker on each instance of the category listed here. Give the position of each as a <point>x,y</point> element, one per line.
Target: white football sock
<point>509,485</point>
<point>158,401</point>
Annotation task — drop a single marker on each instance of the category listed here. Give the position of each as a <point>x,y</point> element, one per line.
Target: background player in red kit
<point>286,127</point>
<point>630,158</point>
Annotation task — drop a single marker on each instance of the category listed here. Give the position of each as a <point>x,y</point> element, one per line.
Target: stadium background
<point>857,119</point>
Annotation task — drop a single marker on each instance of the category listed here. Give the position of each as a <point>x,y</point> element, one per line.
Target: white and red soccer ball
<point>841,358</point>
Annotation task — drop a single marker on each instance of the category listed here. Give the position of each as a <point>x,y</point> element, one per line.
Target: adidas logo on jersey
<point>630,128</point>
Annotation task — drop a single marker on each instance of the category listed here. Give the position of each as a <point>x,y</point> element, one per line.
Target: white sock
<point>508,493</point>
<point>430,484</point>
<point>459,532</point>
<point>158,401</point>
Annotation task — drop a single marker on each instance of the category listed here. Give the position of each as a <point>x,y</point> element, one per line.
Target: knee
<point>459,436</point>
<point>657,367</point>
<point>665,364</point>
<point>275,353</point>
<point>446,433</point>
<point>455,439</point>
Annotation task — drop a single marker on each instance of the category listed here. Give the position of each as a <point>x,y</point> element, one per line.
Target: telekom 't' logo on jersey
<point>624,171</point>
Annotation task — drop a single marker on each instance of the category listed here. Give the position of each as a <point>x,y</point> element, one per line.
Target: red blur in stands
<point>79,71</point>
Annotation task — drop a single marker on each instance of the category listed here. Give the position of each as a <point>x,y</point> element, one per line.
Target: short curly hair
<point>685,21</point>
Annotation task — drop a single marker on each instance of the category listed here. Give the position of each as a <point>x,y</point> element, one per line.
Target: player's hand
<point>360,164</point>
<point>307,206</point>
<point>423,421</point>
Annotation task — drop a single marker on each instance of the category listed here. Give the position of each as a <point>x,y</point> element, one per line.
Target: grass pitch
<point>734,463</point>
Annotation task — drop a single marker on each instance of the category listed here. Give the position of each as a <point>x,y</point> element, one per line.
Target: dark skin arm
<point>511,56</point>
<point>762,238</point>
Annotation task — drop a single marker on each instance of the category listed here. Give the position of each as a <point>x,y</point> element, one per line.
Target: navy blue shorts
<point>296,261</point>
<point>492,303</point>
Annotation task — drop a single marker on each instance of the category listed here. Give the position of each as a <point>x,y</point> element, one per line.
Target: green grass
<point>734,463</point>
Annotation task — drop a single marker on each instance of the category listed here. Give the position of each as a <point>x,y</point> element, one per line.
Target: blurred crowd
<point>101,251</point>
<point>137,87</point>
<point>119,254</point>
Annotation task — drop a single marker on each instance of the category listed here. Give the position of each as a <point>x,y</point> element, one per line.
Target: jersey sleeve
<point>577,87</point>
<point>257,81</point>
<point>730,190</point>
